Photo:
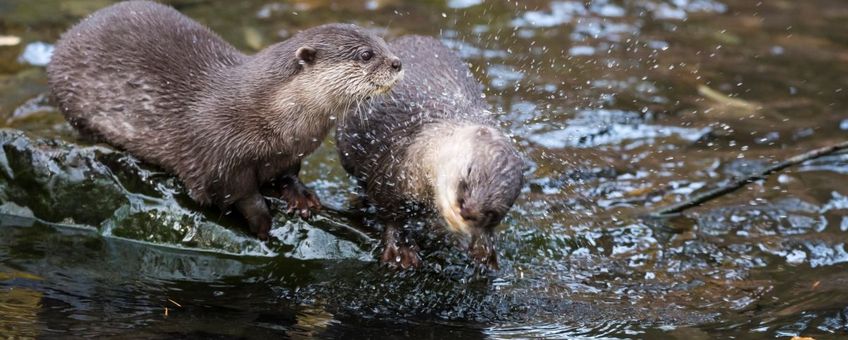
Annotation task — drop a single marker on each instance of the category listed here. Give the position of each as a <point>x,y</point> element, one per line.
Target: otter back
<point>122,74</point>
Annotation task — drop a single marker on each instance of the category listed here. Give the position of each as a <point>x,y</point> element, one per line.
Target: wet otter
<point>432,145</point>
<point>147,79</point>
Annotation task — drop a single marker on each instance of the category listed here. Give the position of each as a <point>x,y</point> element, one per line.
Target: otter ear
<point>305,54</point>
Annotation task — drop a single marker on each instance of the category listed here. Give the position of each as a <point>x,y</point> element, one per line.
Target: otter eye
<point>366,55</point>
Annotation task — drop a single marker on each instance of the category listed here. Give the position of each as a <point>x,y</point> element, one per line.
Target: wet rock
<point>55,182</point>
<point>114,194</point>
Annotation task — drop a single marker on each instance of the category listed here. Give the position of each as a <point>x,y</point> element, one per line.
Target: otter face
<point>485,194</point>
<point>478,186</point>
<point>348,61</point>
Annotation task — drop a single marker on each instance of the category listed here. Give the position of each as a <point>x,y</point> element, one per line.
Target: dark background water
<point>621,107</point>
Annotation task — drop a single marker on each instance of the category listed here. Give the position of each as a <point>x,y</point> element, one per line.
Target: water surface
<point>620,107</point>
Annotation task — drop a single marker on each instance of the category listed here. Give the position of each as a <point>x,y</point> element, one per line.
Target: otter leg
<point>399,251</point>
<point>299,198</point>
<point>255,210</point>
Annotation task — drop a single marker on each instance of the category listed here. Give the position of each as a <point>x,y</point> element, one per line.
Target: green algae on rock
<point>115,195</point>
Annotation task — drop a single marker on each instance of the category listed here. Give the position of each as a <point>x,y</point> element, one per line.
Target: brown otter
<point>432,145</point>
<point>147,79</point>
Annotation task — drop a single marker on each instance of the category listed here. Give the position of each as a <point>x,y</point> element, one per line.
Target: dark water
<point>621,107</point>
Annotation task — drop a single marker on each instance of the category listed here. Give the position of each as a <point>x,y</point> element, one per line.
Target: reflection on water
<point>604,127</point>
<point>620,106</point>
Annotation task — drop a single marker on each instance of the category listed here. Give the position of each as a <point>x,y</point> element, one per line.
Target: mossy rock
<point>112,192</point>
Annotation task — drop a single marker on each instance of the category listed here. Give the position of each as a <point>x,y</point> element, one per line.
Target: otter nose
<point>469,214</point>
<point>396,64</point>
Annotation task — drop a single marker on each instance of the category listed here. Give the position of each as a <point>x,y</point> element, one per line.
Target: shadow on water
<point>620,106</point>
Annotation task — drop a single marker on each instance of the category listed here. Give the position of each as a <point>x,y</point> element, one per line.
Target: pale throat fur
<point>317,98</point>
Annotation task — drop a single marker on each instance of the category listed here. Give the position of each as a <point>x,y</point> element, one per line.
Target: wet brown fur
<point>149,80</point>
<point>432,145</point>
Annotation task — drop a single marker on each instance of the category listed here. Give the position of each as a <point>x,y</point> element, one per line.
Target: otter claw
<point>300,200</point>
<point>396,253</point>
<point>404,257</point>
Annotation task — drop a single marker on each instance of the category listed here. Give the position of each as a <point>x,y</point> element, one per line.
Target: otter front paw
<point>401,256</point>
<point>399,251</point>
<point>299,199</point>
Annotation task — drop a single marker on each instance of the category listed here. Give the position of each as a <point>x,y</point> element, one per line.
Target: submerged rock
<point>117,196</point>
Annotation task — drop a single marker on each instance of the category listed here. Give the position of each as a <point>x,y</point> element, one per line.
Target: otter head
<point>346,61</point>
<point>478,177</point>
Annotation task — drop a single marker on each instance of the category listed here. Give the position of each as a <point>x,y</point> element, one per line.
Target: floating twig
<point>739,182</point>
<point>175,303</point>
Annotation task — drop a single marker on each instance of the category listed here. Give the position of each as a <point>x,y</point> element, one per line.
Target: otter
<point>432,146</point>
<point>146,79</point>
